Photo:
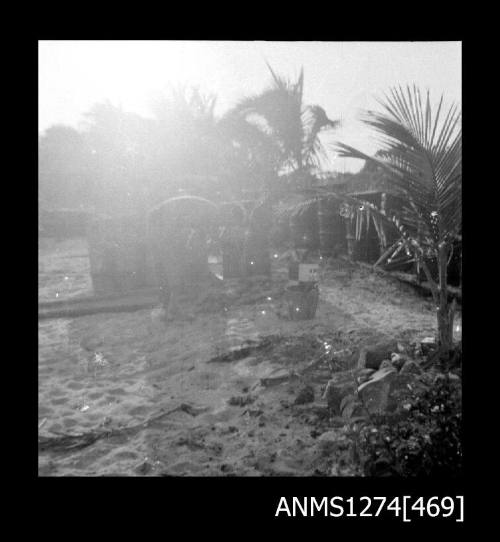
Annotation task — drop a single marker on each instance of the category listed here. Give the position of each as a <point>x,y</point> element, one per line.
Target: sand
<point>107,372</point>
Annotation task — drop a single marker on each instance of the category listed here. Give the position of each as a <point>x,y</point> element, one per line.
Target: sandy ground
<point>63,269</point>
<point>113,371</point>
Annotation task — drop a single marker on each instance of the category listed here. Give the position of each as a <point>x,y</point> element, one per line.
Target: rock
<point>340,385</point>
<point>364,375</point>
<point>329,436</point>
<point>372,356</point>
<point>305,395</point>
<point>427,344</point>
<point>374,393</point>
<point>386,364</point>
<point>144,468</point>
<point>277,377</point>
<point>225,468</point>
<point>350,406</point>
<point>398,360</point>
<point>411,367</point>
<point>417,353</point>
<point>241,400</point>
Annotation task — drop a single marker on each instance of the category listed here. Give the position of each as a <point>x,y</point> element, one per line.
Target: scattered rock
<point>329,436</point>
<point>278,377</point>
<point>263,460</point>
<point>374,393</point>
<point>372,356</point>
<point>225,430</point>
<point>350,406</point>
<point>305,395</point>
<point>418,351</point>
<point>340,385</point>
<point>386,364</point>
<point>254,412</point>
<point>144,468</point>
<point>427,344</point>
<point>398,360</point>
<point>364,375</point>
<point>411,367</point>
<point>241,400</point>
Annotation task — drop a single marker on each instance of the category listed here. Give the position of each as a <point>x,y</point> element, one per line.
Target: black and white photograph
<point>250,259</point>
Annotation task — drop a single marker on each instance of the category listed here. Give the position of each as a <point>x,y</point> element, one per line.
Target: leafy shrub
<point>423,437</point>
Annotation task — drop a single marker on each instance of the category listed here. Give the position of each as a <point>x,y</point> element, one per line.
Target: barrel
<point>302,301</point>
<point>118,252</point>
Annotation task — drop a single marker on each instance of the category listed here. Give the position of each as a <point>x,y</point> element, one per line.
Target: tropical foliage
<point>422,158</point>
<point>277,120</point>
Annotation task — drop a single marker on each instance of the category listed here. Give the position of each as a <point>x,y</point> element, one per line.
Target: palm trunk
<point>446,311</point>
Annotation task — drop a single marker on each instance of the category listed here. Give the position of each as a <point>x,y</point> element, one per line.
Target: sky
<point>342,77</point>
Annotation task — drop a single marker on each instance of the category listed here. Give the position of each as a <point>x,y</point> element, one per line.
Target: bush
<point>422,438</point>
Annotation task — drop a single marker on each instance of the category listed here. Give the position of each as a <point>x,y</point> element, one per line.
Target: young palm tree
<point>278,120</point>
<point>422,158</point>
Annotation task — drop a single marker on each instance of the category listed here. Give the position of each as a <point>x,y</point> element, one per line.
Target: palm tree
<point>422,158</point>
<point>276,120</point>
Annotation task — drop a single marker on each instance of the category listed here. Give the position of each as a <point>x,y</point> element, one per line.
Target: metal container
<point>119,256</point>
<point>302,301</point>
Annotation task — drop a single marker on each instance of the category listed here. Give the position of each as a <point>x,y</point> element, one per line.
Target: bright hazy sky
<point>342,77</point>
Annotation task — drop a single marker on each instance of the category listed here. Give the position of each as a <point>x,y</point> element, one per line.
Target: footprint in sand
<point>117,391</point>
<point>44,411</point>
<point>59,401</point>
<point>105,402</point>
<point>75,385</point>
<point>139,410</point>
<point>125,454</point>
<point>57,392</point>
<point>184,468</point>
<point>54,428</point>
<point>70,422</point>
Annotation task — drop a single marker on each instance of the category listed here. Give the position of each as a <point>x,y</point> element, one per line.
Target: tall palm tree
<point>422,158</point>
<point>278,120</point>
<point>184,145</point>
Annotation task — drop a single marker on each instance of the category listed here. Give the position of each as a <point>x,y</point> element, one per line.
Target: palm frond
<point>422,159</point>
<point>279,112</point>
